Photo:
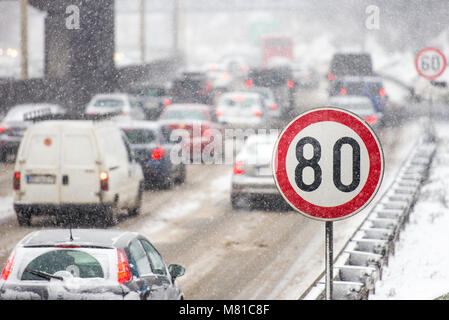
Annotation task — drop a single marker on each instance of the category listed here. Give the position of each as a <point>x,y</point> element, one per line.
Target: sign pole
<point>329,259</point>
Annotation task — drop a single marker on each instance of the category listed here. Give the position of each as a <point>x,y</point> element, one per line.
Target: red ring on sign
<point>374,175</point>
<point>47,142</point>
<point>420,53</point>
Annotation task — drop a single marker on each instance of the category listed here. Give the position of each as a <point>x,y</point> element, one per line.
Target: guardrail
<point>359,264</point>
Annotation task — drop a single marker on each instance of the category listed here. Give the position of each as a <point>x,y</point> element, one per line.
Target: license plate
<point>265,171</point>
<point>41,179</point>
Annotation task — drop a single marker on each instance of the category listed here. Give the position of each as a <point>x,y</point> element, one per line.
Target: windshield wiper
<point>44,275</point>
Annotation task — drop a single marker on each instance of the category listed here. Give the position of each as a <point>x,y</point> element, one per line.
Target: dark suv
<point>192,87</point>
<point>350,64</point>
<point>88,264</point>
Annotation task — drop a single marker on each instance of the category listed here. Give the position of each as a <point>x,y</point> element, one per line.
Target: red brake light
<point>238,167</point>
<point>208,86</point>
<point>331,76</point>
<point>158,153</point>
<point>343,91</point>
<point>258,113</point>
<point>290,84</point>
<point>16,181</point>
<point>8,266</point>
<point>248,83</point>
<point>371,119</point>
<point>123,270</point>
<point>218,112</point>
<point>382,92</point>
<point>207,132</point>
<point>273,107</point>
<point>2,129</point>
<point>104,181</point>
<point>166,102</point>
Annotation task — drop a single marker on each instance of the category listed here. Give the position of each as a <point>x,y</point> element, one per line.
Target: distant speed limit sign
<point>430,63</point>
<point>328,164</point>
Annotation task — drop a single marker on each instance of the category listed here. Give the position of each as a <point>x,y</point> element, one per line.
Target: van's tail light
<point>8,266</point>
<point>290,83</point>
<point>382,92</point>
<point>258,113</point>
<point>371,119</point>
<point>248,83</point>
<point>218,113</point>
<point>158,153</point>
<point>2,129</point>
<point>343,91</point>
<point>123,270</point>
<point>273,107</point>
<point>16,181</point>
<point>208,86</point>
<point>104,181</point>
<point>330,76</point>
<point>238,167</point>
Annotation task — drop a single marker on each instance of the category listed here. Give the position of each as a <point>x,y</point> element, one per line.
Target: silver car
<point>361,106</point>
<point>252,177</point>
<point>14,124</point>
<point>121,105</point>
<point>241,110</point>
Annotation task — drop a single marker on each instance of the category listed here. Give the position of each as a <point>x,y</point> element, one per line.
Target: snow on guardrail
<point>359,264</point>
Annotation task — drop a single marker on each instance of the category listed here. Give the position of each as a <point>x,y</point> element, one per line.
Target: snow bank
<point>419,270</point>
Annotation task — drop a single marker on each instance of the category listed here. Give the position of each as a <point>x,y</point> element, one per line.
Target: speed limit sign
<point>430,63</point>
<point>328,164</point>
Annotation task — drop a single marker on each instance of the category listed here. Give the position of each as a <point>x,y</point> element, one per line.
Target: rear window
<point>82,263</point>
<point>140,136</point>
<point>109,103</point>
<point>180,114</point>
<point>359,106</point>
<point>240,101</point>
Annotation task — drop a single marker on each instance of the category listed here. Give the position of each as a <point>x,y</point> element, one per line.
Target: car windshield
<point>109,103</point>
<point>86,263</point>
<point>140,136</point>
<point>183,114</point>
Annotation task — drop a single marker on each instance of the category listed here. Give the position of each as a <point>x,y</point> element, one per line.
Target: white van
<point>67,167</point>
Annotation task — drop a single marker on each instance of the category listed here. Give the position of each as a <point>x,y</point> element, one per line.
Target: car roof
<point>360,79</point>
<point>34,106</point>
<point>349,99</point>
<point>139,124</point>
<point>241,94</point>
<point>82,237</point>
<point>197,106</point>
<point>257,138</point>
<point>111,95</point>
<point>74,123</point>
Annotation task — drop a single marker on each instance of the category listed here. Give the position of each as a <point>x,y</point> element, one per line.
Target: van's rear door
<point>40,165</point>
<point>80,182</point>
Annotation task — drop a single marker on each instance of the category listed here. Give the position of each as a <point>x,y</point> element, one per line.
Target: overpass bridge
<point>79,58</point>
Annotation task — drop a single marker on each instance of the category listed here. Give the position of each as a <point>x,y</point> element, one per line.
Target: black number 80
<point>313,163</point>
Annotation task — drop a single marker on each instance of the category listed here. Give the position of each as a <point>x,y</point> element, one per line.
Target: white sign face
<point>328,164</point>
<point>430,63</point>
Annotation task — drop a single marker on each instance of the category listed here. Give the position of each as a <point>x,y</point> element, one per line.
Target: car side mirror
<point>176,270</point>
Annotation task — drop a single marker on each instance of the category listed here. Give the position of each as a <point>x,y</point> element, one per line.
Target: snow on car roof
<point>97,237</point>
